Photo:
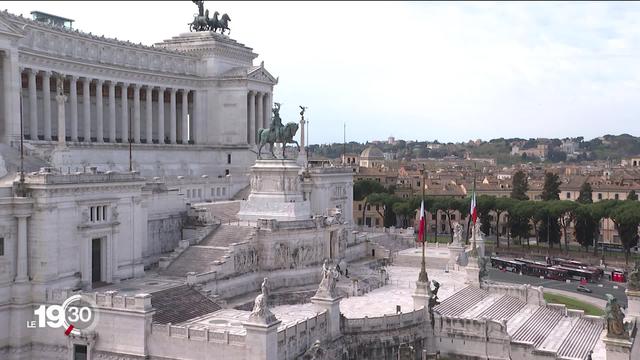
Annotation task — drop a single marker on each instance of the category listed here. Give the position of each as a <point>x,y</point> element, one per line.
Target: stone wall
<point>294,340</point>
<point>179,342</point>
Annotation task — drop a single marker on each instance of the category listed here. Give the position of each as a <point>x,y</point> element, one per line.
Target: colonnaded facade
<point>195,101</point>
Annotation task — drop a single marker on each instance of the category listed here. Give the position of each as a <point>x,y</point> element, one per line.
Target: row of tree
<point>548,219</point>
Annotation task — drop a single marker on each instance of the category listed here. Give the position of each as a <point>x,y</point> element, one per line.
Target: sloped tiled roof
<point>179,304</point>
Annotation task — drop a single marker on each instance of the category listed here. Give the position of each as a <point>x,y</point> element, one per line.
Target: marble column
<point>46,100</point>
<point>185,114</point>
<point>161,91</point>
<point>149,115</point>
<point>33,105</point>
<point>251,115</point>
<point>124,119</point>
<point>195,117</point>
<point>86,105</point>
<point>60,100</point>
<point>268,105</point>
<point>136,113</point>
<point>172,117</point>
<point>259,110</point>
<point>12,88</point>
<point>73,106</point>
<point>99,112</point>
<point>22,268</point>
<point>112,111</point>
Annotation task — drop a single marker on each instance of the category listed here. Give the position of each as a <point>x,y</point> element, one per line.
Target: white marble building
<point>194,101</point>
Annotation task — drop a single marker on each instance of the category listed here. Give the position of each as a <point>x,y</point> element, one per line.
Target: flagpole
<point>473,199</point>
<point>423,271</point>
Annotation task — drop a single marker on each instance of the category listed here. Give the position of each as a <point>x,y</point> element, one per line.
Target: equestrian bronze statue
<point>277,133</point>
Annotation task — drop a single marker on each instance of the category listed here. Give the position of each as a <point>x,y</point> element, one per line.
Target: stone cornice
<point>21,21</point>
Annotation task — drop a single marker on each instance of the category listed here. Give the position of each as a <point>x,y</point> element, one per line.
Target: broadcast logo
<point>76,316</point>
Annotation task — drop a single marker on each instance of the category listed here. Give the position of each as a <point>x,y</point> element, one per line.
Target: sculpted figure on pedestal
<point>327,288</point>
<point>277,133</point>
<point>633,283</point>
<point>261,312</point>
<point>615,318</point>
<point>457,233</point>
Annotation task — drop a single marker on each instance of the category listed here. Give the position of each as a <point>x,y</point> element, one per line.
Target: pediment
<point>259,73</point>
<point>9,29</point>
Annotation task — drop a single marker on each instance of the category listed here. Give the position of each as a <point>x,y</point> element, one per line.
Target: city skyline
<point>450,71</point>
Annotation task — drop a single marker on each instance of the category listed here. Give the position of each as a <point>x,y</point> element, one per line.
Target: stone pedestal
<point>332,306</point>
<point>473,272</point>
<point>421,295</point>
<point>262,340</point>
<point>455,249</point>
<point>276,192</point>
<point>633,303</point>
<point>617,349</point>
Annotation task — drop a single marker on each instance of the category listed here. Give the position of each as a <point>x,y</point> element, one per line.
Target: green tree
<point>626,216</point>
<point>361,191</point>
<point>449,205</point>
<point>632,196</point>
<point>566,211</point>
<point>404,211</point>
<point>485,204</point>
<point>384,206</point>
<point>519,186</point>
<point>551,188</point>
<point>501,205</point>
<point>586,194</point>
<point>518,222</point>
<point>549,229</point>
<point>586,226</point>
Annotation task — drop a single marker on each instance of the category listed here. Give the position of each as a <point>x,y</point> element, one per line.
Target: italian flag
<point>473,211</point>
<point>422,223</point>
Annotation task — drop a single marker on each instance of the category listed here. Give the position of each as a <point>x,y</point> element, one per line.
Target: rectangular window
<point>616,196</point>
<point>568,195</point>
<point>217,191</point>
<point>199,193</point>
<point>79,352</point>
<point>377,222</point>
<point>98,213</point>
<point>224,191</point>
<point>453,216</point>
<point>104,212</point>
<point>93,213</point>
<point>1,246</point>
<point>443,217</point>
<point>599,196</point>
<point>360,207</point>
<point>212,192</point>
<point>226,172</point>
<point>228,158</point>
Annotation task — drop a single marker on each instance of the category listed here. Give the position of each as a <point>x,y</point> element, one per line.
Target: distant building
<point>371,157</point>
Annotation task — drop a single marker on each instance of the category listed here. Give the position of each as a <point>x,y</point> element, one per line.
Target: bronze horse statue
<point>266,136</point>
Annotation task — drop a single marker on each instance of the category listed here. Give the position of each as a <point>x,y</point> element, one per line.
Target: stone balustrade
<point>296,339</point>
<point>206,335</point>
<point>385,322</point>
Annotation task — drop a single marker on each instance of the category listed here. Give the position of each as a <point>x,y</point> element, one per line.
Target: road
<point>598,292</point>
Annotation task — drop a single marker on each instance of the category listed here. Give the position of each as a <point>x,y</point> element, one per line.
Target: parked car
<point>584,289</point>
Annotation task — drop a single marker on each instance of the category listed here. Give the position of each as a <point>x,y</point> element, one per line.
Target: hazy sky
<point>419,71</point>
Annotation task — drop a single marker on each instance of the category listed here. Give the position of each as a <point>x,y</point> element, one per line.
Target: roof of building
<point>179,304</point>
<point>372,153</point>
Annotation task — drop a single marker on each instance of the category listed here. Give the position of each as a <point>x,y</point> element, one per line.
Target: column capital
<point>136,86</point>
<point>124,84</point>
<point>72,78</point>
<point>112,84</point>
<point>161,88</point>
<point>174,90</point>
<point>30,71</point>
<point>99,81</point>
<point>252,92</point>
<point>46,73</point>
<point>149,87</point>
